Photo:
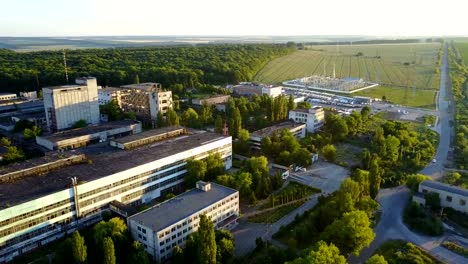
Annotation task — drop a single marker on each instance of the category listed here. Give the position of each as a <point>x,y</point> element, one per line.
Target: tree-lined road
<point>393,201</point>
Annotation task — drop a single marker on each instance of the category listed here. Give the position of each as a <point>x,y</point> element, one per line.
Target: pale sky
<point>233,17</point>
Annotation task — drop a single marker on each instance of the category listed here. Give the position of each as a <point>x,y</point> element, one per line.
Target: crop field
<point>463,50</point>
<point>402,96</point>
<point>400,65</point>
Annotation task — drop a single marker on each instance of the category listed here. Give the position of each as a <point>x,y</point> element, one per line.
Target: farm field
<point>384,64</point>
<point>463,49</point>
<point>402,96</point>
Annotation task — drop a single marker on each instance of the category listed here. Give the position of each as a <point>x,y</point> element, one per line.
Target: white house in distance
<point>314,118</point>
<point>450,196</point>
<point>166,225</point>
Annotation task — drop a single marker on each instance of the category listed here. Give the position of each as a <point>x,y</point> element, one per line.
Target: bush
<point>329,152</point>
<point>421,221</point>
<point>455,248</point>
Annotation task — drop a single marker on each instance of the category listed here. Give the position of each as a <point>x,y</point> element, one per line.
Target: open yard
<point>348,154</point>
<point>402,65</point>
<point>403,96</point>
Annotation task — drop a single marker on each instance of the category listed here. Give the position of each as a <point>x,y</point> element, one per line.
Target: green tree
<point>114,228</point>
<point>302,157</point>
<point>108,250</point>
<point>365,111</point>
<point>376,259</point>
<point>78,248</point>
<point>236,123</point>
<point>172,118</point>
<point>351,233</point>
<point>139,254</point>
<point>348,194</point>
<point>414,180</point>
<point>336,126</point>
<point>452,178</point>
<point>190,118</point>
<point>219,124</point>
<point>112,110</point>
<point>5,142</point>
<point>214,166</point>
<point>362,178</point>
<point>207,241</point>
<point>80,123</point>
<point>374,176</point>
<point>206,113</point>
<point>177,256</point>
<point>160,120</point>
<point>13,154</point>
<point>321,253</point>
<point>32,133</point>
<point>432,201</point>
<point>137,79</point>
<point>291,103</point>
<point>392,145</point>
<point>366,158</point>
<point>265,145</point>
<point>224,246</point>
<point>329,152</point>
<point>196,170</point>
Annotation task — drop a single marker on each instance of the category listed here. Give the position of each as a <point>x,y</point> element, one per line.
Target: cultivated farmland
<point>396,65</point>
<point>463,50</point>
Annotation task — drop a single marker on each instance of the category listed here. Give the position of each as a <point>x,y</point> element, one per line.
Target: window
<point>179,241</point>
<point>462,202</point>
<point>179,234</point>
<point>162,251</point>
<point>161,235</point>
<point>449,198</point>
<point>139,228</point>
<point>185,231</point>
<point>139,236</point>
<point>424,191</point>
<point>144,230</point>
<point>161,243</point>
<point>173,229</point>
<point>174,236</point>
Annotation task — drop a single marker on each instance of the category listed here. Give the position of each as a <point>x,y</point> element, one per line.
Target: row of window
<point>151,188</point>
<point>34,221</point>
<point>449,198</point>
<point>130,187</point>
<point>34,212</point>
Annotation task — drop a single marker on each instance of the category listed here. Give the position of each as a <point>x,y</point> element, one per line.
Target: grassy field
<point>463,49</point>
<point>384,64</point>
<point>402,96</point>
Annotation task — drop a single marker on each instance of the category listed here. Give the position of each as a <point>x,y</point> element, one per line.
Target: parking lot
<point>322,175</point>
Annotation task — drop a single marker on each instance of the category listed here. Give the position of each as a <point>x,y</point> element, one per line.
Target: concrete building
<point>81,137</point>
<point>67,104</point>
<point>146,100</point>
<point>450,196</point>
<point>248,89</point>
<point>314,118</point>
<point>29,95</point>
<point>7,96</point>
<point>107,94</point>
<point>45,198</point>
<point>166,225</point>
<point>297,129</point>
<point>212,100</point>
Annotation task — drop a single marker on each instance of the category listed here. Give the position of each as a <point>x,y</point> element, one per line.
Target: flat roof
<point>6,93</point>
<point>180,207</point>
<point>88,130</point>
<point>308,110</point>
<point>445,187</point>
<point>111,89</point>
<point>106,160</point>
<point>268,131</point>
<point>147,134</point>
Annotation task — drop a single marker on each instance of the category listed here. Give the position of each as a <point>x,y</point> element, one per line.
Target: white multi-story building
<point>450,196</point>
<point>7,96</point>
<point>67,104</point>
<point>314,118</point>
<point>146,100</point>
<point>107,94</point>
<point>166,225</point>
<point>43,199</point>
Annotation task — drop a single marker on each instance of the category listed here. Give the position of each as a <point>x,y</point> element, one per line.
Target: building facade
<point>33,213</point>
<point>166,225</point>
<point>212,100</point>
<point>107,94</point>
<point>147,100</point>
<point>450,196</point>
<point>65,105</point>
<point>7,96</point>
<point>314,118</point>
<point>249,89</point>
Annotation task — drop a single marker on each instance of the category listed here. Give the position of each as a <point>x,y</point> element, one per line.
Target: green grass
<point>402,96</point>
<point>399,251</point>
<point>389,69</point>
<point>348,154</point>
<point>463,49</point>
<point>274,215</point>
<point>455,248</point>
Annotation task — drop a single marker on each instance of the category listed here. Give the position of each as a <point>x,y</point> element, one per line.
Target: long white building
<point>166,225</point>
<point>67,104</point>
<point>450,196</point>
<point>43,199</point>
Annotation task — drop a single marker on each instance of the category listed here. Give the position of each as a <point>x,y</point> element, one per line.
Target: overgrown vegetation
<point>399,252</point>
<point>455,248</point>
<point>422,220</point>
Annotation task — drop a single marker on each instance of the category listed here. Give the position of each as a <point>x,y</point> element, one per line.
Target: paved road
<point>393,201</point>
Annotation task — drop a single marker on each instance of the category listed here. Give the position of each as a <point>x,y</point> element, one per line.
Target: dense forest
<point>171,66</point>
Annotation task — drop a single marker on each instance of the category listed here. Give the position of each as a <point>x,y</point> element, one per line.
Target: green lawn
<point>399,251</point>
<point>348,154</point>
<point>384,64</point>
<point>402,96</point>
